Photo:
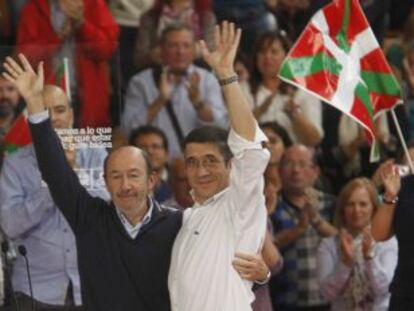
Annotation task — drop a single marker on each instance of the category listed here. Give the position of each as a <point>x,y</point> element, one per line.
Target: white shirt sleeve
<point>39,117</point>
<point>247,204</point>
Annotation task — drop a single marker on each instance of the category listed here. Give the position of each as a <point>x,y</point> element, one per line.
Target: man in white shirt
<point>229,213</point>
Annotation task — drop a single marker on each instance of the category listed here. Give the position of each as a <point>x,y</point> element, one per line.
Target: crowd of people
<point>225,188</point>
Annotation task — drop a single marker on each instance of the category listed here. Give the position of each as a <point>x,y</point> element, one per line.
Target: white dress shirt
<point>201,274</point>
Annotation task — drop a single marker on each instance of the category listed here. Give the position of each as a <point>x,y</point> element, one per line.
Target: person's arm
<point>222,62</point>
<point>67,192</point>
<point>314,201</point>
<point>136,109</point>
<point>380,269</point>
<point>305,114</point>
<point>246,205</point>
<point>271,254</point>
<point>97,35</point>
<point>201,106</point>
<point>21,208</point>
<point>382,222</point>
<point>332,273</point>
<point>286,237</point>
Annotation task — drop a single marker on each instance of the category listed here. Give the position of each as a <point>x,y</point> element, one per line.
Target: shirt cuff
<point>39,117</point>
<point>238,144</point>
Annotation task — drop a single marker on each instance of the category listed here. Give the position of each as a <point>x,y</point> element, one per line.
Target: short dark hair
<point>174,27</point>
<point>311,150</point>
<point>210,135</point>
<point>145,155</point>
<point>146,130</point>
<point>278,130</point>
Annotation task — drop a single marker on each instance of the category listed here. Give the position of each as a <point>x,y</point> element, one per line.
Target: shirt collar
<point>212,199</point>
<point>134,230</point>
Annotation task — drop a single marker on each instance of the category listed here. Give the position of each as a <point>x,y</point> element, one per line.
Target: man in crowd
<point>177,97</point>
<point>29,217</point>
<point>131,238</point>
<point>9,102</point>
<point>154,142</point>
<point>300,221</point>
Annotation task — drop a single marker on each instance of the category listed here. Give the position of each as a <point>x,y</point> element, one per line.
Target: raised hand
<point>391,180</point>
<point>221,60</point>
<point>165,86</point>
<point>24,78</point>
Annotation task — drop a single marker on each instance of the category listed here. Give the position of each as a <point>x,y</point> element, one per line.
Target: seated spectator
<point>300,221</point>
<point>354,271</point>
<point>196,15</point>
<point>85,33</point>
<point>177,97</point>
<point>153,140</point>
<point>298,112</point>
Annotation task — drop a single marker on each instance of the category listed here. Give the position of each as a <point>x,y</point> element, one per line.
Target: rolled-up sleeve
<point>247,207</point>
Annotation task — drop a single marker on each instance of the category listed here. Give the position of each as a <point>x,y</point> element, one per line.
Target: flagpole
<point>407,154</point>
<point>67,79</point>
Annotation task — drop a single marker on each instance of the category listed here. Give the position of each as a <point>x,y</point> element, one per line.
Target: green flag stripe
<point>381,83</point>
<point>362,92</point>
<point>342,35</point>
<point>60,72</point>
<point>11,148</point>
<point>308,65</point>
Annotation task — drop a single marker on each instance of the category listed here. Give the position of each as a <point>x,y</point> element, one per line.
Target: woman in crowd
<point>397,217</point>
<point>296,111</point>
<point>354,271</point>
<point>197,15</point>
<point>278,141</point>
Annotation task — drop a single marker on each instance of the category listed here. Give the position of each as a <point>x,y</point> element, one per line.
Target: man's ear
<point>152,181</point>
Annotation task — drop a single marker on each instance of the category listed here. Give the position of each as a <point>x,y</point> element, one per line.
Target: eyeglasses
<point>300,165</point>
<point>207,162</point>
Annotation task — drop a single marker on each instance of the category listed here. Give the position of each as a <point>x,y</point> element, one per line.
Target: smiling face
<point>207,171</point>
<point>127,179</point>
<point>358,210</point>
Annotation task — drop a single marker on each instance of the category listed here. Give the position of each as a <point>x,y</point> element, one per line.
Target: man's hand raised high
<point>222,59</point>
<point>27,81</point>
